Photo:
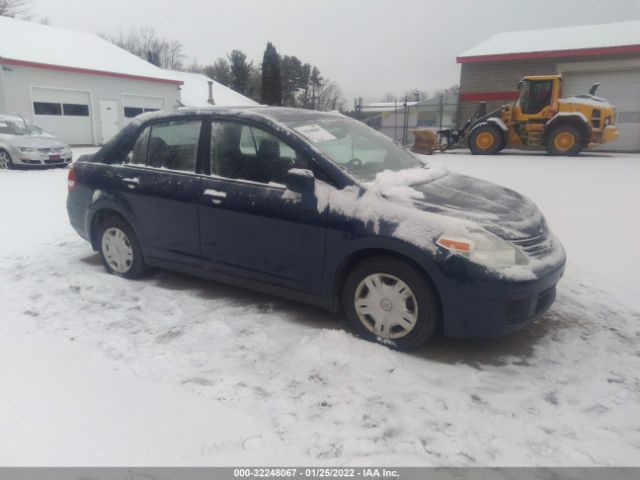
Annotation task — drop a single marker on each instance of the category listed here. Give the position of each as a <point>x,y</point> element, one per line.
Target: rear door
<point>162,190</point>
<point>250,225</point>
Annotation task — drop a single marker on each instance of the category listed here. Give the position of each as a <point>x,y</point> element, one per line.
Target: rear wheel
<point>390,301</point>
<point>119,248</point>
<point>564,140</point>
<point>5,160</point>
<point>486,140</point>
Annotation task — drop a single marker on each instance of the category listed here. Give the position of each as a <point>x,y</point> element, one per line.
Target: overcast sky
<point>370,47</point>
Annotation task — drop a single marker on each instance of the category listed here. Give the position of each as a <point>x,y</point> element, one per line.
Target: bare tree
<point>13,8</point>
<point>144,43</point>
<point>329,96</point>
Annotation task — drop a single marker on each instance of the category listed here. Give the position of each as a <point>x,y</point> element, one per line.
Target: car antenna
<point>25,124</point>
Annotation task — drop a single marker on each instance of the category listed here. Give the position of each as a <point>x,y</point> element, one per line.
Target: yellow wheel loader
<point>539,119</point>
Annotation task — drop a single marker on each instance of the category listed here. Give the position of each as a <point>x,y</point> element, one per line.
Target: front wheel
<point>564,140</point>
<point>5,160</point>
<point>390,301</point>
<point>119,248</point>
<point>486,140</point>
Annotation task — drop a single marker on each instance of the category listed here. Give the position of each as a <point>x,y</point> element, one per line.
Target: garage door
<point>622,89</point>
<point>65,113</point>
<point>134,105</point>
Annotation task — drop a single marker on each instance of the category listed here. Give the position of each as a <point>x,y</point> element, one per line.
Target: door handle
<point>131,182</point>
<point>216,195</point>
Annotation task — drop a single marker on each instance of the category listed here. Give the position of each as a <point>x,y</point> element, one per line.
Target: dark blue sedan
<point>321,209</point>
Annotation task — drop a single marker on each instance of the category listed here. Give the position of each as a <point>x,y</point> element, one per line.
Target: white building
<point>76,85</point>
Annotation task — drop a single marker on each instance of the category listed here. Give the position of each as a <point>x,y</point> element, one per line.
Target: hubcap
<point>117,250</point>
<point>386,306</point>
<point>564,141</point>
<point>484,140</point>
<point>4,160</point>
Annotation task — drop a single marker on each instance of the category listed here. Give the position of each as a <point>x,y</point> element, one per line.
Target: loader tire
<point>564,140</point>
<point>486,140</point>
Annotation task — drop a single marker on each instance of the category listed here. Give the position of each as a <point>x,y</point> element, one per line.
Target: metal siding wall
<point>17,80</point>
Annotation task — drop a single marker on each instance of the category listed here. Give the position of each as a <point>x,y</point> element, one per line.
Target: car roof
<point>277,114</point>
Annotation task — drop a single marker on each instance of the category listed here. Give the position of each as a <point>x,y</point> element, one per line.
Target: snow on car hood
<point>34,141</point>
<point>500,210</point>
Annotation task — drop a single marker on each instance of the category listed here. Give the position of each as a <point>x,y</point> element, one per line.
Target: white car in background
<point>23,144</point>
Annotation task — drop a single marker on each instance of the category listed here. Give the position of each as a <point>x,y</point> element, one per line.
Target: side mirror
<point>300,181</point>
<point>520,83</point>
<point>592,90</point>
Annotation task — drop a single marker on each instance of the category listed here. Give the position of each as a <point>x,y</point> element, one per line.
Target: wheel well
<point>572,121</point>
<point>96,220</point>
<point>361,255</point>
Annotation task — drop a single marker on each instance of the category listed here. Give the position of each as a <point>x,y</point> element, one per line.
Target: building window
<point>47,108</point>
<point>75,110</point>
<point>131,112</point>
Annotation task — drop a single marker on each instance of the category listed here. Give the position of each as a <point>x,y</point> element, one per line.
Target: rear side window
<point>174,145</point>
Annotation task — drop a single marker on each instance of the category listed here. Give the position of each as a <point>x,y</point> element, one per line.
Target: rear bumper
<point>492,308</point>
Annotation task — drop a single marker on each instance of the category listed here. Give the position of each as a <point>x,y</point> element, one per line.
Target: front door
<point>250,225</point>
<point>109,124</point>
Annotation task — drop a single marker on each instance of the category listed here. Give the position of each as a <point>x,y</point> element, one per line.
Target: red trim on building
<point>60,68</point>
<point>488,96</point>
<point>583,52</point>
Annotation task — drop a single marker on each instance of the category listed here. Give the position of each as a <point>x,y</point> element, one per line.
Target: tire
<point>5,160</point>
<point>119,248</point>
<point>486,140</point>
<point>404,290</point>
<point>564,140</point>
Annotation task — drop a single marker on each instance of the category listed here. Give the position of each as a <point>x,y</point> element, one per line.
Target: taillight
<point>71,179</point>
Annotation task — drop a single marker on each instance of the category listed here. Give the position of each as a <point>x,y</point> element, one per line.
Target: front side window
<point>174,145</point>
<point>245,152</point>
<point>10,127</point>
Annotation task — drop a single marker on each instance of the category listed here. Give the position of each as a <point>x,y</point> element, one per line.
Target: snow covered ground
<point>172,370</point>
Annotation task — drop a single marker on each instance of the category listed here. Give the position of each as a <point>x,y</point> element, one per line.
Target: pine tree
<point>240,71</point>
<point>271,82</point>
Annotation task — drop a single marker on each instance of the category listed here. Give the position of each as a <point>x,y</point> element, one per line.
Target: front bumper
<point>473,307</point>
<point>38,159</point>
<point>608,134</point>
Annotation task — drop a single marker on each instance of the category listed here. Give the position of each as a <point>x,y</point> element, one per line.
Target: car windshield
<point>12,127</point>
<point>354,146</point>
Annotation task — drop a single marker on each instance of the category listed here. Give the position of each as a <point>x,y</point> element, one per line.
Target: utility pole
<point>441,109</point>
<point>357,106</point>
<point>405,122</point>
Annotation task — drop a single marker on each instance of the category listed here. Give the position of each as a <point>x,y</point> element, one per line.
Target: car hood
<point>500,210</point>
<point>33,141</point>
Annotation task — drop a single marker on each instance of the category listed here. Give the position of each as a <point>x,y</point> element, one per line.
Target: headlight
<point>483,248</point>
<point>27,149</point>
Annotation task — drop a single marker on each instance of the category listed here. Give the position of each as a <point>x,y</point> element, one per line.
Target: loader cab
<point>538,99</point>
